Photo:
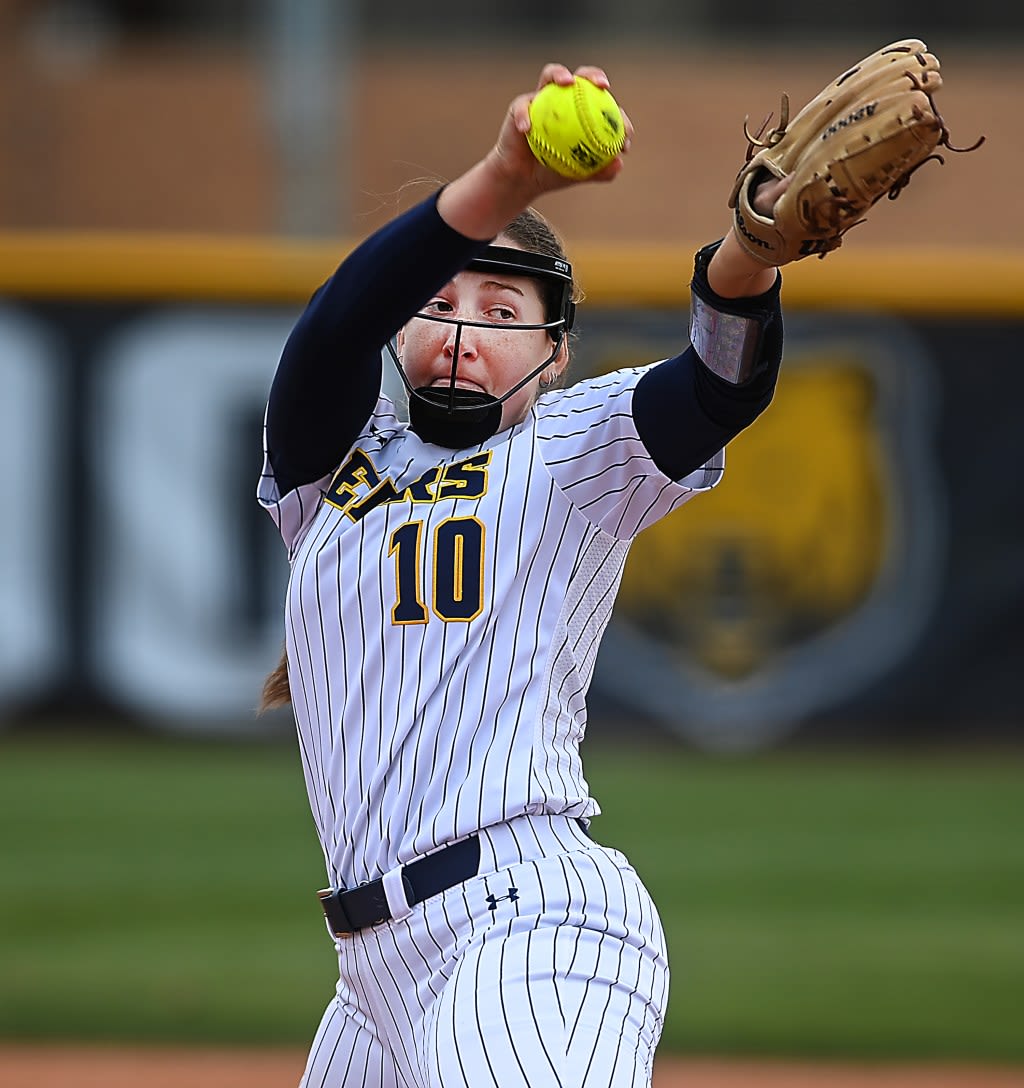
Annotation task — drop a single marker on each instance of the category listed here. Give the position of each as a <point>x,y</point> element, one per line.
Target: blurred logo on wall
<point>813,567</point>
<point>803,578</point>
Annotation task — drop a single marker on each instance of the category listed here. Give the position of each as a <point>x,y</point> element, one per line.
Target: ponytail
<point>276,691</point>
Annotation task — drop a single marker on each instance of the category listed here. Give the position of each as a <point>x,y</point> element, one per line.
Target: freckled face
<point>491,359</point>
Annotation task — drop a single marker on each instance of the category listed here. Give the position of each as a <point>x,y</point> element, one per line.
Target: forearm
<point>484,200</point>
<point>329,375</point>
<point>487,197</point>
<point>385,280</point>
<point>684,413</point>
<point>733,273</point>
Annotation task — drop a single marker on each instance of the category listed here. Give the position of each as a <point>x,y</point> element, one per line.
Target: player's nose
<point>462,340</point>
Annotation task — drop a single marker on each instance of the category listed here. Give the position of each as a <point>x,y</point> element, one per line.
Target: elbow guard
<point>727,334</point>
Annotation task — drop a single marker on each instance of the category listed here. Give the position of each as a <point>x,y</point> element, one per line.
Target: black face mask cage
<point>459,417</point>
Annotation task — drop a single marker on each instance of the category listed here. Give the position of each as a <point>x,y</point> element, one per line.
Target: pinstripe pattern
<point>491,709</point>
<point>443,618</point>
<point>564,986</point>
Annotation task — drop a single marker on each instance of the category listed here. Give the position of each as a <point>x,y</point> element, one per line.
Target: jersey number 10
<point>454,569</point>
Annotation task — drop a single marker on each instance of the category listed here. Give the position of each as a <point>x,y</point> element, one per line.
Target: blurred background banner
<point>177,178</point>
<point>312,116</point>
<point>856,572</point>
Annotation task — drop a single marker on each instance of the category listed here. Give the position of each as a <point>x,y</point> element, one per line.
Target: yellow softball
<point>575,130</point>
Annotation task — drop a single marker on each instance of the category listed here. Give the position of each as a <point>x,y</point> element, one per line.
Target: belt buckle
<point>326,895</point>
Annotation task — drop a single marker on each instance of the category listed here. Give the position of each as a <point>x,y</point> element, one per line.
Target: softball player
<point>451,579</point>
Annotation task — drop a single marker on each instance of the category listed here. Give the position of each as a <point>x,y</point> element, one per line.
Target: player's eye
<point>501,313</point>
<point>438,306</point>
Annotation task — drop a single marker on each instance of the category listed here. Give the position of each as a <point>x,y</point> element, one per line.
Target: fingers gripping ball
<point>576,130</point>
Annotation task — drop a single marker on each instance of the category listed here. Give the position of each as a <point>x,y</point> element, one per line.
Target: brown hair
<point>533,233</point>
<point>276,691</point>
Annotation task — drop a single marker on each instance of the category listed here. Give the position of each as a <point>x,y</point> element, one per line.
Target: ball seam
<point>544,146</point>
<point>589,130</point>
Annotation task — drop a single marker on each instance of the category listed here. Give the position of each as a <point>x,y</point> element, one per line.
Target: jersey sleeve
<point>589,441</point>
<point>294,510</point>
<point>329,374</point>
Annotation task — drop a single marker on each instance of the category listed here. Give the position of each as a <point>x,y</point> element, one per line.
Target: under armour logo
<point>494,900</point>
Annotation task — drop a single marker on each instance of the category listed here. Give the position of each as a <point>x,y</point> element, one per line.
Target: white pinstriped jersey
<point>444,613</point>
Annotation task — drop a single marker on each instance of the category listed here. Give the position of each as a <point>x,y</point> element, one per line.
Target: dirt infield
<point>127,1067</point>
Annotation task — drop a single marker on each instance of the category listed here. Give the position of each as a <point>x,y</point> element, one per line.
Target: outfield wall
<point>856,573</point>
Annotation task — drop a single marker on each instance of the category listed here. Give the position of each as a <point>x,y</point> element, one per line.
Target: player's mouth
<point>460,383</point>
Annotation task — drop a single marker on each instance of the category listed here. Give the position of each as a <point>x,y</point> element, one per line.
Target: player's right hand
<point>511,153</point>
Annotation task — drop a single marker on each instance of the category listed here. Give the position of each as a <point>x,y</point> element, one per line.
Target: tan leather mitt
<point>858,140</point>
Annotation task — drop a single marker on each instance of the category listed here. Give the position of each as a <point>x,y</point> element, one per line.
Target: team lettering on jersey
<point>357,487</point>
<point>440,574</point>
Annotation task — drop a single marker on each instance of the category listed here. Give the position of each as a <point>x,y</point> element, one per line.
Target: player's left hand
<point>859,139</point>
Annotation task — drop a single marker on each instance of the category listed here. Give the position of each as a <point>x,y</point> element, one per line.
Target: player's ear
<point>561,360</point>
<point>552,373</point>
<point>400,341</point>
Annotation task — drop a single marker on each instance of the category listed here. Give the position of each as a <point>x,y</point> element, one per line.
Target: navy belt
<point>352,909</point>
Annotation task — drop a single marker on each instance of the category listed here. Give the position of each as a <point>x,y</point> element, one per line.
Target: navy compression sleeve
<point>684,413</point>
<point>329,376</point>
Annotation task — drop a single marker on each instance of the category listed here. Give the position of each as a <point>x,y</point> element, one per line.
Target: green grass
<point>153,890</point>
<point>862,905</point>
<point>870,906</point>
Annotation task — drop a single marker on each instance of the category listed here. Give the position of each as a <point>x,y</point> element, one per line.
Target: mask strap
<point>452,406</point>
<point>455,367</point>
